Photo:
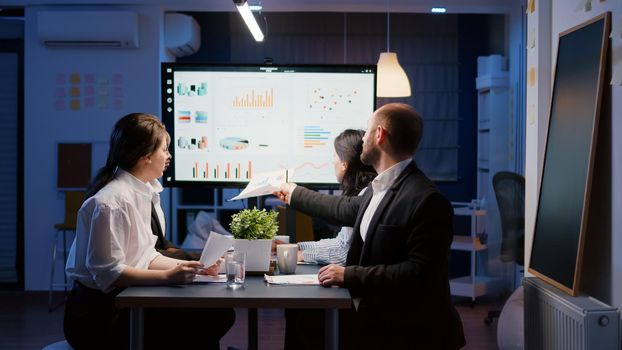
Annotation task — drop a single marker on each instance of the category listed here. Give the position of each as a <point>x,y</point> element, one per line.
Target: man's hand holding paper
<point>264,183</point>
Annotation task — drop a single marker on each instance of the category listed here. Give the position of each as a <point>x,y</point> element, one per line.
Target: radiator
<point>554,320</point>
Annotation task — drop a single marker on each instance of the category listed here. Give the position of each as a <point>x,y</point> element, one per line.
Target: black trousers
<point>93,322</point>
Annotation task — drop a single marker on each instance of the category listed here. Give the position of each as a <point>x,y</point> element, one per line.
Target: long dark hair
<point>134,136</point>
<point>348,146</point>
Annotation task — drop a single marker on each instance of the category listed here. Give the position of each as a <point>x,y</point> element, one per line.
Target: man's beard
<point>370,155</point>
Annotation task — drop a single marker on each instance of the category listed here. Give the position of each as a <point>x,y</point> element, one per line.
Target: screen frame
<point>168,117</point>
<point>536,270</point>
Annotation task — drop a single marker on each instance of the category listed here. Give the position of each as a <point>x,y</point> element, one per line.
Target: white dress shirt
<point>114,231</point>
<point>380,185</point>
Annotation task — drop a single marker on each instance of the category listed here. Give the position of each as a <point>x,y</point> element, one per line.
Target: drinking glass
<point>235,265</point>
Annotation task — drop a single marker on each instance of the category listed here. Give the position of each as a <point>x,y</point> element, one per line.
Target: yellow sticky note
<point>532,76</point>
<point>74,105</point>
<point>74,78</point>
<point>74,92</point>
<point>531,6</point>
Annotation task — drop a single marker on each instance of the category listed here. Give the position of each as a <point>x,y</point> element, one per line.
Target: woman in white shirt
<point>114,244</point>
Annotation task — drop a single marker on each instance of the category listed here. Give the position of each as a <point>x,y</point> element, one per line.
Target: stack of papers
<point>301,280</point>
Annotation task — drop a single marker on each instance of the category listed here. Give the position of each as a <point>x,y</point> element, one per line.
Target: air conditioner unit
<point>182,35</point>
<point>91,29</point>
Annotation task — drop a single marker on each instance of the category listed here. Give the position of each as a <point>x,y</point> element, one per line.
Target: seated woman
<point>114,248</point>
<point>353,177</point>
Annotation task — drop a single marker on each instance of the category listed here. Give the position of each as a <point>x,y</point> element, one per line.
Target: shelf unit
<point>187,202</point>
<point>473,285</point>
<point>493,143</point>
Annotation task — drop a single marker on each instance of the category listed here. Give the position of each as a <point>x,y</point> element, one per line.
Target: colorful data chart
<point>228,171</point>
<point>201,117</point>
<point>328,100</point>
<point>184,89</point>
<point>315,136</point>
<point>252,100</point>
<point>234,143</point>
<point>192,143</point>
<point>183,117</point>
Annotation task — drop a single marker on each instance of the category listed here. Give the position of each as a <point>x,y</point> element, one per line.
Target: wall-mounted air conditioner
<point>182,34</point>
<point>92,29</point>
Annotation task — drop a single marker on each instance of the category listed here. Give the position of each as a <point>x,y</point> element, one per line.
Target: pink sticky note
<point>117,79</point>
<point>117,91</point>
<point>117,104</point>
<point>59,105</point>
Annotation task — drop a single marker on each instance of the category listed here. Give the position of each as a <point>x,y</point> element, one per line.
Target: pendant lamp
<point>392,81</point>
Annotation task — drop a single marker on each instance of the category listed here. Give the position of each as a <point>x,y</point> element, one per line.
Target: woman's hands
<point>212,270</point>
<point>183,272</point>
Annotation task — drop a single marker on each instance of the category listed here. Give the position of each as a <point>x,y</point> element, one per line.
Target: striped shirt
<point>329,250</point>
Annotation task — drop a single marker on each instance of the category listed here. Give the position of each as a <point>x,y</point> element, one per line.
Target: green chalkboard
<point>561,218</point>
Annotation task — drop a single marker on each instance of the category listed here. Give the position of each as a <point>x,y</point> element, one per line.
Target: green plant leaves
<point>254,224</point>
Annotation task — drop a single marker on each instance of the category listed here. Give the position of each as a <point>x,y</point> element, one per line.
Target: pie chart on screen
<point>234,143</point>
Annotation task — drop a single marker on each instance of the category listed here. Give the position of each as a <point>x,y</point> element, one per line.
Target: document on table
<point>215,246</point>
<point>210,279</point>
<point>264,183</point>
<point>300,280</point>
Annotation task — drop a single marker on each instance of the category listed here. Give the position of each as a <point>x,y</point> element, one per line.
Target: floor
<point>25,323</point>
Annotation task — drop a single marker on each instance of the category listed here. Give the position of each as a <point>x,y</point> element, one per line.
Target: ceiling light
<point>249,19</point>
<point>438,10</point>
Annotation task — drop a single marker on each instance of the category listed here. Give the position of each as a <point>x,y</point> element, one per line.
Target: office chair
<point>73,201</point>
<point>510,193</point>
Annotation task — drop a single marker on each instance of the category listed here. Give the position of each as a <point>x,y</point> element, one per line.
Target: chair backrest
<point>73,202</point>
<point>510,193</point>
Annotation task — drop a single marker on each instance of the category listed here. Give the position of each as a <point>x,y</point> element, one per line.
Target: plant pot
<point>258,253</point>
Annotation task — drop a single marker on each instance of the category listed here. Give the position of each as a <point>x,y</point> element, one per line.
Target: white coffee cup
<point>287,257</point>
<point>284,239</point>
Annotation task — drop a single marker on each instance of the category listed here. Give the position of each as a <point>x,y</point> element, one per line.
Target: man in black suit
<point>397,265</point>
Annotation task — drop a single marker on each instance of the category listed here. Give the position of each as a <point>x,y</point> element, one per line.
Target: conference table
<point>256,294</point>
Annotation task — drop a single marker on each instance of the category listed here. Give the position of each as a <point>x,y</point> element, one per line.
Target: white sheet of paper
<point>264,183</point>
<point>215,246</point>
<point>300,280</point>
<point>210,279</point>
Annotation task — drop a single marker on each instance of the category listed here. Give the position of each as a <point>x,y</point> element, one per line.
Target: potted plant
<point>253,231</point>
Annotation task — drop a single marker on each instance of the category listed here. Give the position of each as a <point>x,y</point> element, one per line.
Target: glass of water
<point>235,265</point>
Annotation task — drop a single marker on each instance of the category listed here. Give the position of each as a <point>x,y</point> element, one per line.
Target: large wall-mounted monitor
<point>228,122</point>
<point>561,219</point>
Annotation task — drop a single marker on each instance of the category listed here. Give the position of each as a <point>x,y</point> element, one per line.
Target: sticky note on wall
<point>532,76</point>
<point>74,78</point>
<point>531,6</point>
<point>584,5</point>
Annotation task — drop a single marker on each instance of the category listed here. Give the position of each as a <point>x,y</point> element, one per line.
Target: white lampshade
<point>392,81</point>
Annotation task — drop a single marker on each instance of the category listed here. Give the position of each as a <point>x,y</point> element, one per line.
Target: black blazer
<point>400,272</point>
